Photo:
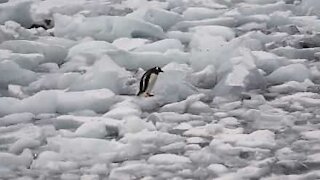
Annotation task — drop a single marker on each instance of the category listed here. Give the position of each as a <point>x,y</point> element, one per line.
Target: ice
<point>292,72</point>
<point>17,119</point>
<point>134,125</point>
<point>123,109</point>
<point>238,98</point>
<point>95,77</point>
<point>129,43</point>
<point>8,12</point>
<point>92,130</point>
<point>161,46</point>
<point>199,13</point>
<point>59,101</point>
<point>174,83</point>
<point>259,138</point>
<point>70,147</point>
<point>164,19</point>
<point>98,100</point>
<point>182,106</point>
<point>148,60</point>
<point>12,161</point>
<point>10,72</point>
<point>22,144</point>
<point>168,159</point>
<point>25,61</point>
<point>109,27</point>
<point>51,53</point>
<point>222,31</point>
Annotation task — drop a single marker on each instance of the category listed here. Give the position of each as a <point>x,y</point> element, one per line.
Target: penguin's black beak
<point>160,70</point>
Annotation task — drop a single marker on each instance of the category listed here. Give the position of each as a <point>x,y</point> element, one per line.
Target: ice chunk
<point>157,16</point>
<point>51,53</point>
<point>8,11</point>
<point>182,106</point>
<point>123,109</point>
<point>59,101</point>
<point>25,61</point>
<point>133,124</point>
<point>10,72</point>
<point>96,77</point>
<point>200,13</point>
<point>161,46</point>
<point>98,100</point>
<point>16,119</point>
<point>129,43</point>
<point>92,130</point>
<point>13,161</point>
<point>206,78</point>
<point>168,159</point>
<point>89,146</point>
<point>268,62</point>
<point>22,144</point>
<point>147,60</point>
<point>173,84</point>
<point>292,72</point>
<point>109,28</point>
<point>259,138</point>
<point>225,32</point>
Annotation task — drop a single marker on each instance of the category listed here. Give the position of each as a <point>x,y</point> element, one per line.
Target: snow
<point>238,98</point>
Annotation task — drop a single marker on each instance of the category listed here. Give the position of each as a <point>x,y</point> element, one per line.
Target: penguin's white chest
<point>152,81</point>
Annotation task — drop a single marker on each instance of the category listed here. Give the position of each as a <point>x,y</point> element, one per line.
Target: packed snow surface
<point>238,99</point>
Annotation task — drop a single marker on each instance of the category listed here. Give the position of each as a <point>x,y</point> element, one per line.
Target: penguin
<point>148,80</point>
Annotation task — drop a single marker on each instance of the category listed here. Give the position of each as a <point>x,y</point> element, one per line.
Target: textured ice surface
<point>238,98</point>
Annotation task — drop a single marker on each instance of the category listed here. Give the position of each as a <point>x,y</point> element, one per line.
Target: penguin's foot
<point>150,94</point>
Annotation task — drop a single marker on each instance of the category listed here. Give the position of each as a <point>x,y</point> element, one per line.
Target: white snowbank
<point>106,28</point>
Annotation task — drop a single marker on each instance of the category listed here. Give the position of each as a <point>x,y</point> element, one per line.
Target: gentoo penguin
<point>148,80</point>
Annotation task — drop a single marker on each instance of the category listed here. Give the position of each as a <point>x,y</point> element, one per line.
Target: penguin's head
<point>157,70</point>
